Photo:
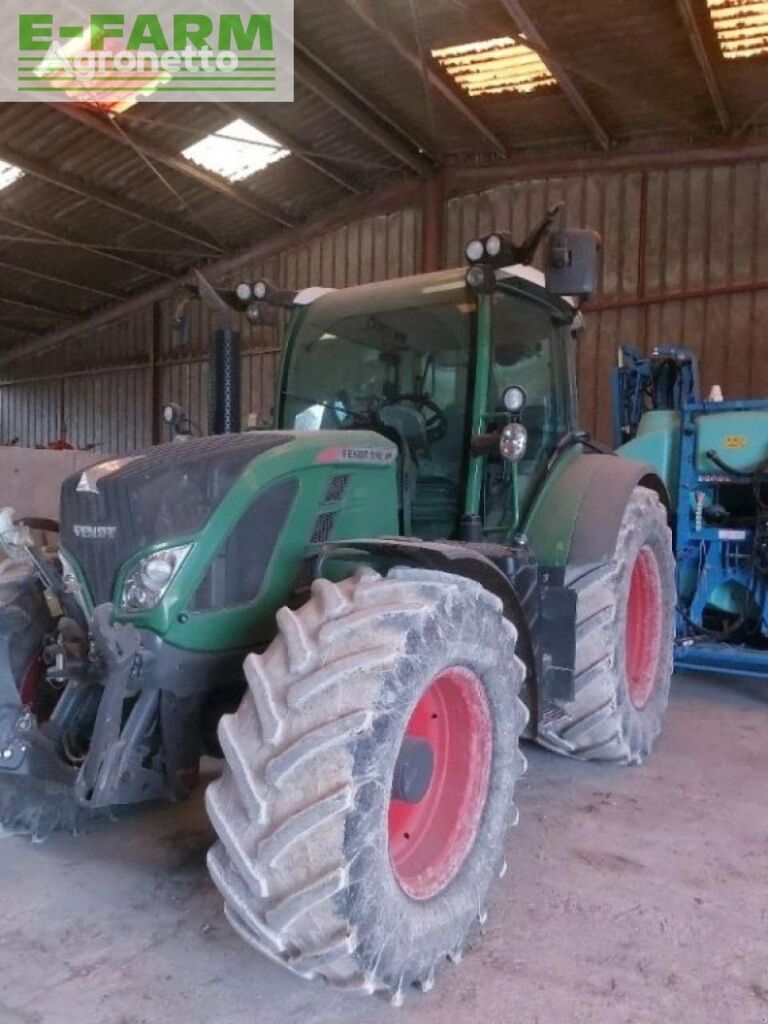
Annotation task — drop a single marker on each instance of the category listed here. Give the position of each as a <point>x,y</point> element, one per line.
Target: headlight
<point>146,583</point>
<point>243,292</point>
<point>514,441</point>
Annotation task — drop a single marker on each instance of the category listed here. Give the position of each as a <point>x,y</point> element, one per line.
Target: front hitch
<point>113,770</point>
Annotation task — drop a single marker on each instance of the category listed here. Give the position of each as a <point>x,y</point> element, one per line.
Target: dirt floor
<point>632,896</point>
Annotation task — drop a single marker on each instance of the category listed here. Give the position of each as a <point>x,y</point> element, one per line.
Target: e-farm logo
<point>116,56</point>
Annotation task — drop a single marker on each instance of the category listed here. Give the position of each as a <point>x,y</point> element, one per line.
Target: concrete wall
<point>30,480</point>
<point>685,262</point>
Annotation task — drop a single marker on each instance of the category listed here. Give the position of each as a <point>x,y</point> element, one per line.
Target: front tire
<point>320,868</point>
<point>24,623</point>
<point>624,645</point>
<point>28,805</point>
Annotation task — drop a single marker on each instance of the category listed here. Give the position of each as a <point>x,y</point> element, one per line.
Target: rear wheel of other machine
<point>624,638</point>
<point>370,777</point>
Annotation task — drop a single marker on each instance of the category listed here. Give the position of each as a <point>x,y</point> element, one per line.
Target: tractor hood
<point>113,509</point>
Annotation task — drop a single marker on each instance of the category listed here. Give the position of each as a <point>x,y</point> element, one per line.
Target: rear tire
<point>624,639</point>
<point>308,860</point>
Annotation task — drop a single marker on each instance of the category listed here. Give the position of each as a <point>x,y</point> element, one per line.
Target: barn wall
<point>685,262</point>
<point>109,386</point>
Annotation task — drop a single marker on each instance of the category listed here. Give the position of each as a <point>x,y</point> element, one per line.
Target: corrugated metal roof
<point>362,112</point>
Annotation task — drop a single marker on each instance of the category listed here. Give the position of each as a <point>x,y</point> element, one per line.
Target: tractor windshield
<point>400,363</point>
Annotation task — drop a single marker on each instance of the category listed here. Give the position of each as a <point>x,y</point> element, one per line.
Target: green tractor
<point>362,610</point>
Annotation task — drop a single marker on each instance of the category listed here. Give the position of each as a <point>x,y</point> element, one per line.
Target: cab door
<point>531,339</point>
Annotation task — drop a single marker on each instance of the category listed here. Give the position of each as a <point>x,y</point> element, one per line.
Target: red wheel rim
<point>430,840</point>
<point>643,630</point>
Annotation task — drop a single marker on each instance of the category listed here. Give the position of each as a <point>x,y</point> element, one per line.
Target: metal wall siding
<point>664,232</point>
<point>670,237</point>
<point>102,382</point>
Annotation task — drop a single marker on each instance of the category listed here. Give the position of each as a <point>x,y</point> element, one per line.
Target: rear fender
<point>573,527</point>
<point>576,518</point>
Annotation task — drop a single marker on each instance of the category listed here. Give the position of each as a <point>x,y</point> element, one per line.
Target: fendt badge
<point>90,532</point>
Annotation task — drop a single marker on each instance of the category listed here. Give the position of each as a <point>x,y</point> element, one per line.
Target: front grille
<point>166,493</point>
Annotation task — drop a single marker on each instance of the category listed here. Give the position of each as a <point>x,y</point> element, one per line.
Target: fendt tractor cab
<point>424,561</point>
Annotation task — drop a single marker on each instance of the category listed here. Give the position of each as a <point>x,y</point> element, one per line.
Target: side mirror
<point>572,262</point>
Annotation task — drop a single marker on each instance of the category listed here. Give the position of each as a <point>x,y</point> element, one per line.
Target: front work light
<point>474,250</point>
<point>500,247</point>
<point>263,291</point>
<point>259,314</point>
<point>514,398</point>
<point>481,278</point>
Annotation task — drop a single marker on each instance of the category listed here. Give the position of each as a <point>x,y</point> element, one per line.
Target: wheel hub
<point>413,770</point>
<point>440,783</point>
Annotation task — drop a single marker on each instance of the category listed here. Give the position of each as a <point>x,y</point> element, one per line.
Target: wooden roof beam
<point>175,162</point>
<point>95,250</point>
<point>8,328</point>
<point>419,144</point>
<point>252,114</point>
<point>693,31</point>
<point>94,193</point>
<point>528,28</point>
<point>365,12</point>
<point>37,307</point>
<point>328,86</point>
<point>66,282</point>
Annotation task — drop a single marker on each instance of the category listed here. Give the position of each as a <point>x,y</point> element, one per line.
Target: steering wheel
<point>435,420</point>
<point>363,419</point>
